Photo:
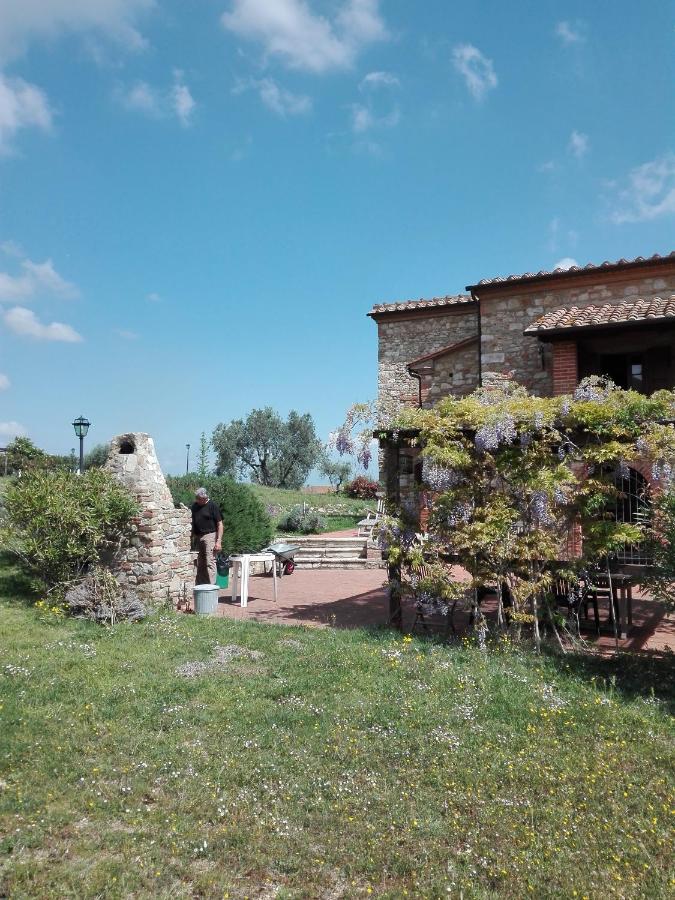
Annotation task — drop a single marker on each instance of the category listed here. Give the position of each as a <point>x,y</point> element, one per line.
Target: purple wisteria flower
<point>492,434</point>
<point>438,478</point>
<point>539,505</point>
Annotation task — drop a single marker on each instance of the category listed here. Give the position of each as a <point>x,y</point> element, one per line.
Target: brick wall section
<point>565,368</point>
<point>507,311</point>
<point>403,338</point>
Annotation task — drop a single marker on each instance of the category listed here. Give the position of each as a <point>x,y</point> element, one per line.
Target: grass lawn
<point>338,510</point>
<point>322,763</point>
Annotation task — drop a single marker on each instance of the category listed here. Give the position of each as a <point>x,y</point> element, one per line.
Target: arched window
<point>633,507</point>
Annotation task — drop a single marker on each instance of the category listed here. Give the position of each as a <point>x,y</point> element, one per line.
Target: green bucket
<point>223,581</point>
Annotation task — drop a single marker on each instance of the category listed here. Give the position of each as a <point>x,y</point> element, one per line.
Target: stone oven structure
<point>156,562</point>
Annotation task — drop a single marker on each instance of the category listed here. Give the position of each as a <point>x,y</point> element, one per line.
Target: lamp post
<point>187,461</point>
<point>81,426</point>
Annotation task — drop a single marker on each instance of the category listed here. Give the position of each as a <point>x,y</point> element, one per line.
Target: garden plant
<point>509,479</point>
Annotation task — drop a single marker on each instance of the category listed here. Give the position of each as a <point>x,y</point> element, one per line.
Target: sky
<point>201,200</point>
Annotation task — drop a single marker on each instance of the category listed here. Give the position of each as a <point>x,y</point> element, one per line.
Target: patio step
<point>337,562</point>
<point>317,552</point>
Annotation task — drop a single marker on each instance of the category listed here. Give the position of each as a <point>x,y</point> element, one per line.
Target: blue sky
<point>201,200</point>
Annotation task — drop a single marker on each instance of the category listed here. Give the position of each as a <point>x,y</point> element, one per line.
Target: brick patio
<point>349,599</point>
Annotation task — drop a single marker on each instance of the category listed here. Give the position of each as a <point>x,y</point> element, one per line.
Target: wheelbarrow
<point>283,556</point>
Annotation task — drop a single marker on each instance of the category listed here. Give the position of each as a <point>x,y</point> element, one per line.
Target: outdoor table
<point>241,564</point>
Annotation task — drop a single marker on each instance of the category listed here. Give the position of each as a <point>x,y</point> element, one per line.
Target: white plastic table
<point>240,572</point>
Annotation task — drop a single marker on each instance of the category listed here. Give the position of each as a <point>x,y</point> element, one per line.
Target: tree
<point>22,454</point>
<point>267,449</point>
<point>97,456</point>
<point>336,471</point>
<point>203,465</point>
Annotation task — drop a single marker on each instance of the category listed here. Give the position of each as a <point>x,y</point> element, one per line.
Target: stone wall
<point>156,562</point>
<point>507,311</point>
<point>455,373</point>
<point>403,338</point>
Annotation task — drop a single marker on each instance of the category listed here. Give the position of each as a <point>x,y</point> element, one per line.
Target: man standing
<point>207,529</point>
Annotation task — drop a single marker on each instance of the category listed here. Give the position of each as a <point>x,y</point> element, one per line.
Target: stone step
<point>337,562</point>
<point>316,540</point>
<point>329,550</point>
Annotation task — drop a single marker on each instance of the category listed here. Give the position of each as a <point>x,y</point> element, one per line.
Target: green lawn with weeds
<point>280,501</point>
<point>188,757</point>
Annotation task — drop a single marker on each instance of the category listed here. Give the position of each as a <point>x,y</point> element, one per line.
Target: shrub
<point>246,524</point>
<point>302,521</point>
<point>100,598</point>
<point>363,488</point>
<point>59,524</point>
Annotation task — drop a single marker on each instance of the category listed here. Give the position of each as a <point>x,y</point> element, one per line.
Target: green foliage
<point>203,463</point>
<point>335,470</point>
<point>246,525</point>
<point>362,487</point>
<point>512,476</point>
<point>59,524</point>
<point>302,520</point>
<point>267,449</point>
<point>22,455</point>
<point>97,456</point>
<point>660,529</point>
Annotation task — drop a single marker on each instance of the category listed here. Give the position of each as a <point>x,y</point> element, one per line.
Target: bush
<point>59,524</point>
<point>362,488</point>
<point>301,521</point>
<point>100,598</point>
<point>246,525</point>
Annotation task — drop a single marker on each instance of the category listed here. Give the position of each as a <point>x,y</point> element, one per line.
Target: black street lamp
<point>81,426</point>
<point>187,461</point>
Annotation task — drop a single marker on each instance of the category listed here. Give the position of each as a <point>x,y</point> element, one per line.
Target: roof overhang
<point>581,273</point>
<point>442,351</point>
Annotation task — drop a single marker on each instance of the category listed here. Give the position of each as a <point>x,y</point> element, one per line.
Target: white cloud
<point>4,382</point>
<point>182,100</point>
<point>127,335</point>
<point>22,105</point>
<point>363,118</point>
<point>277,98</point>
<point>28,20</point>
<point>24,322</point>
<point>570,33</point>
<point>290,30</point>
<point>378,79</point>
<point>477,70</point>
<point>578,144</point>
<point>160,103</point>
<point>142,98</point>
<point>566,263</point>
<point>153,297</point>
<point>11,430</point>
<point>649,194</point>
<point>35,278</point>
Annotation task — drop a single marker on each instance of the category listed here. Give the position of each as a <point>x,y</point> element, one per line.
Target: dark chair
<point>575,598</point>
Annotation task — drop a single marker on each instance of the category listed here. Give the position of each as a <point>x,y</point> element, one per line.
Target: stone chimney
<point>156,562</point>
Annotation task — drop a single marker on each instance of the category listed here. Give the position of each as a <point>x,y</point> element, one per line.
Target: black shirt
<point>205,517</point>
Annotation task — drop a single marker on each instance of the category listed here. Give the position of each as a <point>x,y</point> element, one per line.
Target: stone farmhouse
<point>546,330</point>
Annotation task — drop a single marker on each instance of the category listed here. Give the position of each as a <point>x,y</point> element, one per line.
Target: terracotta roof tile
<point>609,314</point>
<point>589,267</point>
<point>407,305</point>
